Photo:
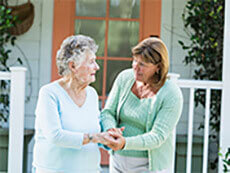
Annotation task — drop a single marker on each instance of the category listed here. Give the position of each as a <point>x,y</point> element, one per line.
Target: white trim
<point>174,77</point>
<point>190,131</point>
<point>16,119</point>
<point>202,84</point>
<point>225,106</point>
<point>46,42</point>
<point>4,76</point>
<point>206,130</point>
<point>166,23</point>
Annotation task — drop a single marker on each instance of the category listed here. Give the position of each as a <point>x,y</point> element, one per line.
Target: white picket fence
<point>16,118</point>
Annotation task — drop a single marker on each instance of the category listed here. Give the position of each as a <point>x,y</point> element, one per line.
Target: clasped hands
<point>112,138</point>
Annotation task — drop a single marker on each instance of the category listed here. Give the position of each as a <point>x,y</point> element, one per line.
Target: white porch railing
<point>192,85</point>
<point>16,118</point>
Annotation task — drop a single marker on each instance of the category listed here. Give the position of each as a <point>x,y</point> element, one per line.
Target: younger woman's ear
<point>158,68</point>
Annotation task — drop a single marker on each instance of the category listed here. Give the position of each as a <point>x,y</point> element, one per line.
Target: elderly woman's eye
<point>92,61</point>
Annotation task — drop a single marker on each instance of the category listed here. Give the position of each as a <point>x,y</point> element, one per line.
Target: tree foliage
<point>204,24</point>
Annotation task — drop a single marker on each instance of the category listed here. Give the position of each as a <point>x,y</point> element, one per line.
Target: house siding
<point>172,30</point>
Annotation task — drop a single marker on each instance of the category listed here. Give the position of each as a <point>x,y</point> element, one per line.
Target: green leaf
<point>219,8</point>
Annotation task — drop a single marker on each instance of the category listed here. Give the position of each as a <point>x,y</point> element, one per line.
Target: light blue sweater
<point>60,125</point>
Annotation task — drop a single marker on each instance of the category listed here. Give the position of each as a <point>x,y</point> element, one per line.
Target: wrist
<point>90,136</point>
<point>123,144</point>
<point>86,139</point>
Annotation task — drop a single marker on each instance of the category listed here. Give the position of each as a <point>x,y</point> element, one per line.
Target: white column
<point>174,77</point>
<point>225,104</point>
<point>45,59</point>
<point>16,123</point>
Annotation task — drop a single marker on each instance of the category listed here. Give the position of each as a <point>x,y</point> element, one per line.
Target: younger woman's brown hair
<point>153,50</point>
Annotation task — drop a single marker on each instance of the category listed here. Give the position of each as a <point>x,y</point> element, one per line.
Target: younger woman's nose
<point>135,65</point>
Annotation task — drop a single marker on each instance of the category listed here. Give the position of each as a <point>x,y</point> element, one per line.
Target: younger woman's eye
<point>142,64</point>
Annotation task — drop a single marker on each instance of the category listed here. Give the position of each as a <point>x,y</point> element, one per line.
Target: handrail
<point>201,84</point>
<point>5,75</point>
<point>208,86</point>
<point>192,85</point>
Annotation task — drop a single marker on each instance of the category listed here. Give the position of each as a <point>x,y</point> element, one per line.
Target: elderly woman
<point>67,125</point>
<point>149,106</point>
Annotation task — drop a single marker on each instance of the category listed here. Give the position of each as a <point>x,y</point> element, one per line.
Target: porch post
<point>16,123</point>
<point>225,103</point>
<point>174,77</point>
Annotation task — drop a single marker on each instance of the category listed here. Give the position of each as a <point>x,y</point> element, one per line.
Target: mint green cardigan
<point>163,115</point>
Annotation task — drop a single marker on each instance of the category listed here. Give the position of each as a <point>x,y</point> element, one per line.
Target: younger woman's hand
<point>117,130</point>
<point>118,143</point>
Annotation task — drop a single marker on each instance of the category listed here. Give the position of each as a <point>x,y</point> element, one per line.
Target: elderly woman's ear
<point>72,66</point>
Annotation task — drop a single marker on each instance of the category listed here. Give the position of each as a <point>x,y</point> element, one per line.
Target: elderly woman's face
<point>143,71</point>
<point>87,70</point>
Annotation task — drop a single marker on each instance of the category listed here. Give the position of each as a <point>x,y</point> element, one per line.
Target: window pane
<point>124,8</point>
<point>99,78</point>
<point>95,8</point>
<point>123,35</point>
<point>114,68</point>
<point>94,29</point>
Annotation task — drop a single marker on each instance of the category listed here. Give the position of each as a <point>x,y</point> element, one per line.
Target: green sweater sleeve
<point>108,114</point>
<point>165,122</point>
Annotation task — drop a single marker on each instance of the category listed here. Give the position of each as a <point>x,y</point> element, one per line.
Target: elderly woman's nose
<point>97,66</point>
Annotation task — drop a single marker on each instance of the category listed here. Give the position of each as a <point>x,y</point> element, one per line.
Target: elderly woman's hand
<point>103,138</point>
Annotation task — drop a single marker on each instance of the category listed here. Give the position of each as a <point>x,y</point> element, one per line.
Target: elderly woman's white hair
<point>74,49</point>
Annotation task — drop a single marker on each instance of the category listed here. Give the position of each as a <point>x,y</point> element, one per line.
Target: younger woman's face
<point>143,71</point>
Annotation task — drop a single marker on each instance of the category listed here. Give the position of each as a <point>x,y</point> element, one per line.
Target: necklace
<point>143,91</point>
